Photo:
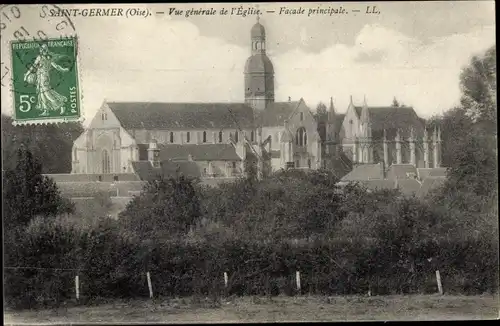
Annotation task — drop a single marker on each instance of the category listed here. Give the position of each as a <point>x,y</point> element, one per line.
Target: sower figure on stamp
<point>39,74</point>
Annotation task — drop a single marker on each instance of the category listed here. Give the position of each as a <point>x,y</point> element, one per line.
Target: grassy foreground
<point>260,309</point>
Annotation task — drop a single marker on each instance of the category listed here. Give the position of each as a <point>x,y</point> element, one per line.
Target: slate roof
<point>259,63</point>
<point>276,113</point>
<point>429,184</point>
<point>408,186</point>
<point>339,119</point>
<point>199,152</point>
<point>438,172</point>
<point>378,184</point>
<point>400,171</point>
<point>172,116</point>
<point>394,117</point>
<point>358,110</point>
<point>431,172</point>
<point>363,172</point>
<point>90,177</point>
<point>167,169</point>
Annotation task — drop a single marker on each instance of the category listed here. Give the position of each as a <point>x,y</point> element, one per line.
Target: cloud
<point>424,75</point>
<point>169,60</point>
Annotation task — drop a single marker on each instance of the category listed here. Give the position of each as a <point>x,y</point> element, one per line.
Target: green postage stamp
<point>45,81</point>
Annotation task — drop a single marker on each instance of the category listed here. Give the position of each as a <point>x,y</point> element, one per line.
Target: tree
<point>27,193</point>
<point>51,143</point>
<point>166,207</point>
<point>479,87</point>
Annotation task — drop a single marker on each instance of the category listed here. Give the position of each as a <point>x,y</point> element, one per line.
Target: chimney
<point>154,153</point>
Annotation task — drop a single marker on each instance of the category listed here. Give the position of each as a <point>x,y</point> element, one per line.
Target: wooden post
<point>150,286</point>
<point>225,279</point>
<point>438,280</point>
<point>77,287</point>
<point>297,279</point>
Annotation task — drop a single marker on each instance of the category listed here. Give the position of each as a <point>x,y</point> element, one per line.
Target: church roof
<point>339,119</point>
<point>198,152</point>
<point>259,63</point>
<point>258,31</point>
<point>171,116</point>
<point>276,113</point>
<point>358,110</point>
<point>394,117</point>
<point>167,169</point>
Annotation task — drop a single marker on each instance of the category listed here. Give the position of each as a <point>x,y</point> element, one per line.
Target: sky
<point>413,51</point>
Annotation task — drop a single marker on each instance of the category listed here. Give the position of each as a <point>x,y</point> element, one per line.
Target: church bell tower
<point>259,71</point>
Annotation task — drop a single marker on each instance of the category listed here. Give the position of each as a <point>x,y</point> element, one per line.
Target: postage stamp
<point>45,80</point>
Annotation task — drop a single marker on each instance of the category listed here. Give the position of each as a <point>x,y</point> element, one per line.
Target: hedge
<point>111,266</point>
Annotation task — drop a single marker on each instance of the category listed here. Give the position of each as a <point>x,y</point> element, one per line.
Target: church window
<point>301,137</point>
<point>188,137</point>
<point>104,116</point>
<point>171,136</point>
<point>236,136</point>
<point>251,136</point>
<point>204,136</point>
<point>106,163</point>
<point>309,163</point>
<point>301,116</point>
<point>220,136</point>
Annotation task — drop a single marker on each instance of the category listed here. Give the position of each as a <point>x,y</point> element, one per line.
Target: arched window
<point>171,137</point>
<point>106,164</point>
<point>301,137</point>
<point>188,137</point>
<point>236,136</point>
<point>204,136</point>
<point>251,136</point>
<point>220,136</point>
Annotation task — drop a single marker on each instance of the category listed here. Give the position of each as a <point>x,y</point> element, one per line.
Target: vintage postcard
<point>249,162</point>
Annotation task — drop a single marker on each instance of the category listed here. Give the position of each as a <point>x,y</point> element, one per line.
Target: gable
<point>104,118</point>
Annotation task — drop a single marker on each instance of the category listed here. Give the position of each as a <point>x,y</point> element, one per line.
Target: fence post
<point>150,286</point>
<point>77,287</point>
<point>225,279</point>
<point>297,280</point>
<point>438,280</point>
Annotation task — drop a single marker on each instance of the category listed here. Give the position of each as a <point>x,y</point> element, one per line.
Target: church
<point>224,140</point>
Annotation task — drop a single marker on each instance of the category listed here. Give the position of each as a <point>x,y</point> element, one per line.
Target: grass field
<point>260,309</point>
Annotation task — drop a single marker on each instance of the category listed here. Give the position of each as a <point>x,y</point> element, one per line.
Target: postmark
<point>47,87</point>
<point>27,32</point>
